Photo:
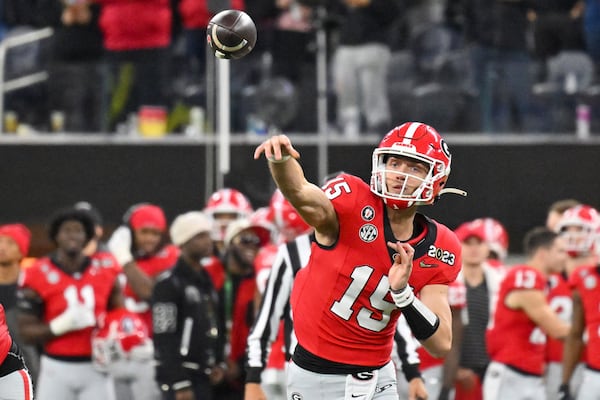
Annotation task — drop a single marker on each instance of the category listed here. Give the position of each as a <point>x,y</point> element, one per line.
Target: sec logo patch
<point>368,233</point>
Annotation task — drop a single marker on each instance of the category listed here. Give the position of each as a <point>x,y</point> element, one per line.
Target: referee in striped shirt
<point>275,306</point>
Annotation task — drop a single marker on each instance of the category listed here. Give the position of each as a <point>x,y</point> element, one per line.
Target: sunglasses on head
<point>249,240</point>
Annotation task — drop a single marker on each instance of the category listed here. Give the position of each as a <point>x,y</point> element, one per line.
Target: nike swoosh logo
<point>423,264</point>
<point>357,395</point>
<point>382,388</point>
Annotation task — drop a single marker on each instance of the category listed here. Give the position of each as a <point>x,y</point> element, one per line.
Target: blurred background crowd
<point>460,65</point>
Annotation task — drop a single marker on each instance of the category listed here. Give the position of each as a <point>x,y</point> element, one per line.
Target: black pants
<point>203,390</point>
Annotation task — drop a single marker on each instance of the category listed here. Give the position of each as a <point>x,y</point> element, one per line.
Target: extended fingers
<point>274,148</point>
<point>404,252</point>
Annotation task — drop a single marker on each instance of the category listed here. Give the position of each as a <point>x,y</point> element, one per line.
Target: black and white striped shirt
<point>275,306</point>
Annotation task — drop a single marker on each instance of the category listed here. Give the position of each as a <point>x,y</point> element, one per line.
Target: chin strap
<point>459,192</point>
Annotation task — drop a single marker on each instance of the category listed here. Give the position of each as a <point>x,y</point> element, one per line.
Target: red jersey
<point>457,298</point>
<point>5,339</point>
<point>342,307</point>
<point>262,268</point>
<point>57,289</point>
<point>514,339</point>
<point>586,280</point>
<point>216,270</point>
<point>561,303</point>
<point>151,266</point>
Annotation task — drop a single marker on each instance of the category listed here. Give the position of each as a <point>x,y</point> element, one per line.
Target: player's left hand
<point>402,266</point>
<point>276,148</point>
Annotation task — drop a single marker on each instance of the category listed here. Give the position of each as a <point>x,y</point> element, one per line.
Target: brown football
<point>231,34</point>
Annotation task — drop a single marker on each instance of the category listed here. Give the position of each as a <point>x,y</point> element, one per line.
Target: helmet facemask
<point>579,242</point>
<point>423,194</point>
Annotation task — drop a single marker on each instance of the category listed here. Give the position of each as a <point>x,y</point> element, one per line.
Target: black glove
<point>564,393</point>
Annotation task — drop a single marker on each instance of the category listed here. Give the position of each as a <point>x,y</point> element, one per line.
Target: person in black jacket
<point>187,331</point>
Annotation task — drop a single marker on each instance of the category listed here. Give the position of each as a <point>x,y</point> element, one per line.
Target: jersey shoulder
<point>439,252</point>
<point>524,277</point>
<point>345,190</point>
<point>36,274</point>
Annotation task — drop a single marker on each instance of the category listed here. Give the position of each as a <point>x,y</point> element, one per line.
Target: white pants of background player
<point>273,383</point>
<point>72,380</point>
<point>554,378</point>
<point>590,385</point>
<point>503,383</point>
<point>307,385</point>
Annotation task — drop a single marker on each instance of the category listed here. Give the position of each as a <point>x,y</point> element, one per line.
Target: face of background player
<point>199,247</point>
<point>409,175</point>
<point>71,237</point>
<point>474,251</point>
<point>147,240</point>
<point>557,256</point>
<point>9,251</point>
<point>245,247</point>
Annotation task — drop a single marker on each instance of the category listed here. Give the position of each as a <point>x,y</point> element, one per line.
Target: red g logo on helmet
<point>285,217</point>
<point>418,142</point>
<point>224,206</point>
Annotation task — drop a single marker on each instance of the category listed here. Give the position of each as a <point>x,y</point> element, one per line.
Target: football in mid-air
<point>231,34</point>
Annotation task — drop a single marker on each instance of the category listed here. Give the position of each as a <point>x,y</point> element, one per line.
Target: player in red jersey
<point>59,299</point>
<point>516,340</point>
<point>586,320</point>
<point>15,382</point>
<point>466,365</point>
<point>347,299</point>
<point>580,226</point>
<point>139,246</point>
<point>225,206</point>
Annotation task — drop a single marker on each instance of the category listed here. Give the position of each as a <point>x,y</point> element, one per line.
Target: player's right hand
<point>77,316</point>
<point>276,148</point>
<point>253,391</point>
<point>119,245</point>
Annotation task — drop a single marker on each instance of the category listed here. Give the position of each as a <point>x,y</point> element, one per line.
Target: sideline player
<point>15,382</point>
<point>347,299</point>
<point>59,300</point>
<point>580,226</point>
<point>516,341</point>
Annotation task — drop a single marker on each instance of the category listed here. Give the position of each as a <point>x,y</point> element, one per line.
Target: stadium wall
<point>512,180</point>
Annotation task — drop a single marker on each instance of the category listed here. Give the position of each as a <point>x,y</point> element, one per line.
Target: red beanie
<point>148,216</point>
<point>20,234</point>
